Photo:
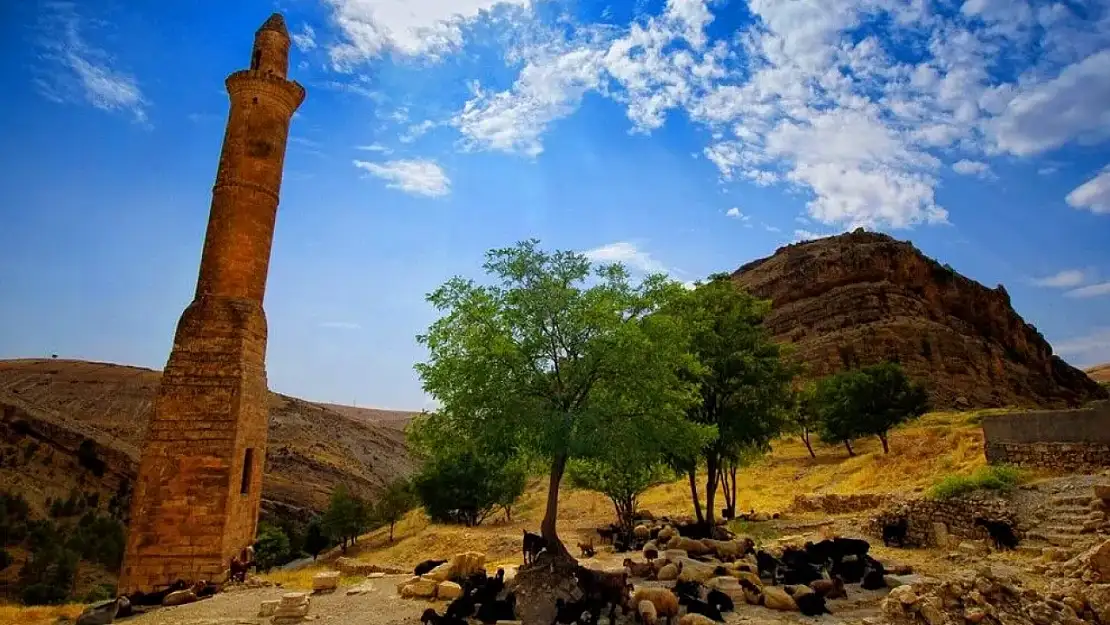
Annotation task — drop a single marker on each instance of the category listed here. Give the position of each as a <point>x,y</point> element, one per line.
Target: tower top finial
<point>275,23</point>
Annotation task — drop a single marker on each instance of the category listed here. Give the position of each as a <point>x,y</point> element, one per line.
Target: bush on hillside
<point>867,402</point>
<point>397,499</point>
<point>466,487</point>
<point>347,516</point>
<point>271,548</point>
<point>998,478</point>
<point>315,538</point>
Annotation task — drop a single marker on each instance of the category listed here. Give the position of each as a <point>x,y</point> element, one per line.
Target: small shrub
<point>999,478</point>
<point>100,593</point>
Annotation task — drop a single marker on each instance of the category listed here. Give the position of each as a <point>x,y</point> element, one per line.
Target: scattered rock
<point>974,548</point>
<point>266,609</point>
<point>101,613</point>
<point>360,589</point>
<point>895,581</point>
<point>352,567</point>
<point>448,590</point>
<point>179,597</point>
<point>325,582</point>
<point>424,588</point>
<point>292,608</point>
<point>1102,491</point>
<point>904,595</point>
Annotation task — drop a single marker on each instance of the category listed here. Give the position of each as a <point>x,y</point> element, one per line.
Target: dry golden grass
<point>301,579</point>
<point>936,445</point>
<point>39,615</point>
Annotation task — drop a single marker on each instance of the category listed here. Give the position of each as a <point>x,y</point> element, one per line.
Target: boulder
<point>292,608</point>
<point>179,597</point>
<point>410,580</point>
<point>1098,599</point>
<point>325,582</point>
<point>424,588</point>
<point>904,595</point>
<point>974,548</point>
<point>266,609</point>
<point>447,591</point>
<point>894,581</point>
<point>101,613</point>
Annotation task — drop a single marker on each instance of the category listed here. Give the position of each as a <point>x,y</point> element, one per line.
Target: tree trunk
<point>391,524</point>
<point>732,471</point>
<point>551,514</point>
<point>692,474</point>
<point>848,444</point>
<point>886,446</point>
<point>730,503</point>
<point>809,446</point>
<point>711,468</point>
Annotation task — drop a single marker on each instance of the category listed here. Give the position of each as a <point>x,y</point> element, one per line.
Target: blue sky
<point>687,136</point>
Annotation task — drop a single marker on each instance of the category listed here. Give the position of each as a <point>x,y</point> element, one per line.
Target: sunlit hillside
<point>936,445</point>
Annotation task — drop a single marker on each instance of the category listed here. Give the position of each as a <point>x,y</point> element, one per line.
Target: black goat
<point>697,606</point>
<point>687,588</point>
<point>431,618</point>
<point>767,565</point>
<point>427,566</point>
<point>572,613</point>
<point>534,545</point>
<point>462,607</point>
<point>850,569</point>
<point>1001,533</point>
<point>493,586</point>
<point>603,588</point>
<point>874,574</point>
<point>493,611</point>
<point>812,604</point>
<point>895,532</point>
<point>843,547</point>
<point>720,600</point>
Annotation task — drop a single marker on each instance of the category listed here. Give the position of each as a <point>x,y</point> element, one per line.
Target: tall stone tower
<point>195,502</point>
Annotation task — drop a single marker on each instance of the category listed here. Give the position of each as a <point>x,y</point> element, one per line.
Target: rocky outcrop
<point>863,297</point>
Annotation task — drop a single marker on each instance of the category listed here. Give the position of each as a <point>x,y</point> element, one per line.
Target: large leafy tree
<point>744,383</point>
<point>804,416</point>
<point>867,402</point>
<point>548,355</point>
<point>347,516</point>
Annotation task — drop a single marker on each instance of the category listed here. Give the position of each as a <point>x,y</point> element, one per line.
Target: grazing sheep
<point>1001,532</point>
<point>776,598</point>
<point>695,619</point>
<point>895,532</point>
<point>753,593</point>
<point>648,614</point>
<point>666,534</point>
<point>641,532</point>
<point>829,588</point>
<point>689,545</point>
<point>427,566</point>
<point>431,618</point>
<point>665,602</point>
<point>667,573</point>
<point>533,545</point>
<point>643,570</point>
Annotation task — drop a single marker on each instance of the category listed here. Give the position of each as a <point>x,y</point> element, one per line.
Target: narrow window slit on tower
<point>256,59</point>
<point>248,466</point>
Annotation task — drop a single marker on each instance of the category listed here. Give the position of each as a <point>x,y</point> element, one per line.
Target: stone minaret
<point>195,502</point>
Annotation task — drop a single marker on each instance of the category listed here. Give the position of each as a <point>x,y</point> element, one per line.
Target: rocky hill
<point>73,425</point>
<point>1100,373</point>
<point>863,297</point>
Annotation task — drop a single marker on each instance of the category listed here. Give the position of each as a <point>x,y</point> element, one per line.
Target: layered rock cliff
<point>863,297</point>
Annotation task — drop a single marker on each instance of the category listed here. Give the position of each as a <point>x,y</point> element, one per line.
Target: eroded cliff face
<point>864,297</point>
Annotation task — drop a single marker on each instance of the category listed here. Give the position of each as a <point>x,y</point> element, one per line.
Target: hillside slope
<point>863,297</point>
<point>50,407</point>
<point>1099,373</point>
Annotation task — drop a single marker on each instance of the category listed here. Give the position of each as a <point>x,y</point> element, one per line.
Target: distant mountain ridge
<point>1099,373</point>
<point>863,297</point>
<point>50,407</point>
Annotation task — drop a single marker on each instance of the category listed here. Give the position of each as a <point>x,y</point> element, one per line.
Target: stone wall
<point>1066,440</point>
<point>956,515</point>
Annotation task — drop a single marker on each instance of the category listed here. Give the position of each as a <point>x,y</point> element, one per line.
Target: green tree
<point>271,547</point>
<point>804,417</point>
<point>537,359</point>
<point>397,500</point>
<point>347,516</point>
<point>837,400</point>
<point>622,476</point>
<point>466,486</point>
<point>889,400</point>
<point>315,538</point>
<point>744,383</point>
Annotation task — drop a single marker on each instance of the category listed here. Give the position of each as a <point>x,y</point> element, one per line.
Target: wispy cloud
<point>416,131</point>
<point>414,176</point>
<point>736,214</point>
<point>1093,195</point>
<point>1091,290</point>
<point>78,71</point>
<point>770,228</point>
<point>1066,279</point>
<point>973,168</point>
<point>306,39</point>
<point>1093,348</point>
<point>628,254</point>
<point>340,325</point>
<point>374,147</point>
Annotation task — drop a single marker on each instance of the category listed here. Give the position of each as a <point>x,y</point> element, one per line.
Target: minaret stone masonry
<point>196,499</point>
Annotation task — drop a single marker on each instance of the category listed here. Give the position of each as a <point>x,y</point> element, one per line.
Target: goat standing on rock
<point>534,545</point>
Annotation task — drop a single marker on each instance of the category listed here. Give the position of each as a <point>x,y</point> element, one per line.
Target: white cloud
<point>374,147</point>
<point>1071,106</point>
<point>306,39</point>
<point>736,214</point>
<point>81,71</point>
<point>628,254</point>
<point>416,131</point>
<point>417,177</point>
<point>406,27</point>
<point>972,168</point>
<point>1094,348</point>
<point>1066,279</point>
<point>807,235</point>
<point>1093,195</point>
<point>1091,290</point>
<point>770,228</point>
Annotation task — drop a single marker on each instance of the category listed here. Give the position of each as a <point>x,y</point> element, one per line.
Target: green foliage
<point>397,499</point>
<point>98,539</point>
<point>998,478</point>
<point>467,486</point>
<point>48,574</point>
<point>867,401</point>
<point>315,538</point>
<point>101,592</point>
<point>347,516</point>
<point>548,354</point>
<point>13,518</point>
<point>804,416</point>
<point>744,385</point>
<point>621,476</point>
<point>271,547</point>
